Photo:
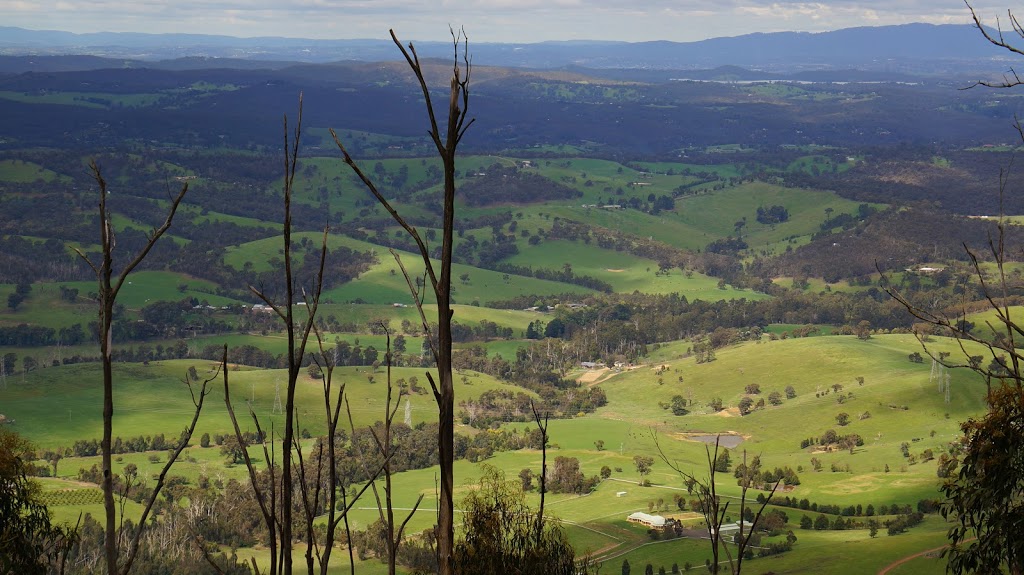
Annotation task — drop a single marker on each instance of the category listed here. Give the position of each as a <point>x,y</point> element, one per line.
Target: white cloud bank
<point>485,20</point>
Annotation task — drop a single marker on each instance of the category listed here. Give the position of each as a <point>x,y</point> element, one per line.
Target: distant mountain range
<point>921,49</point>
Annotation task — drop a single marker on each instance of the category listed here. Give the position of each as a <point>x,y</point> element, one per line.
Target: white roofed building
<point>652,521</point>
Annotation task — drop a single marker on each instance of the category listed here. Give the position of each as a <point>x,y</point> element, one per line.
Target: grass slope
<point>383,283</point>
<point>626,273</point>
<point>58,405</point>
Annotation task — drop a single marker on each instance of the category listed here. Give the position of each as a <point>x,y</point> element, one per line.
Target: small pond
<point>727,440</point>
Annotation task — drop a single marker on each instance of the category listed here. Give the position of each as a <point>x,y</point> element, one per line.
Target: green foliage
<point>723,461</point>
<point>984,499</point>
<point>29,542</point>
<point>499,530</point>
<point>643,464</point>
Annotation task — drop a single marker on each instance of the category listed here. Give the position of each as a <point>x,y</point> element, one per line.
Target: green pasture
<point>625,272</point>
<point>723,171</point>
<point>44,306</point>
<point>145,287</point>
<point>505,348</point>
<point>604,180</point>
<point>788,91</point>
<point>891,382</point>
<point>782,328</point>
<point>664,227</point>
<point>560,149</point>
<point>818,285</point>
<point>384,283</point>
<point>716,214</point>
<point>64,499</point>
<point>852,551</point>
<point>988,323</point>
<point>277,343</point>
<point>57,405</point>
<point>339,561</point>
<point>22,172</point>
<point>329,179</point>
<point>700,219</point>
<point>363,314</point>
<point>201,216</point>
<point>99,100</point>
<point>823,164</point>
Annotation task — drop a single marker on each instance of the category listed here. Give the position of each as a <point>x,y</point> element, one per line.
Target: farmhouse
<point>730,529</point>
<point>652,521</point>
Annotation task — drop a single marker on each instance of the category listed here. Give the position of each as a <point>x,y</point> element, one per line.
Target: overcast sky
<point>484,20</point>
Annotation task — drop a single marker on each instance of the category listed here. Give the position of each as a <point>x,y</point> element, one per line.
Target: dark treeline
<point>532,369</point>
<point>24,335</point>
<point>499,184</point>
<point>25,260</point>
<point>564,275</point>
<point>415,448</point>
<point>647,319</point>
<point>967,183</point>
<point>890,241</point>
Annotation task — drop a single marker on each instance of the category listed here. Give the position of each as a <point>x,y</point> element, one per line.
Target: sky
<point>484,20</point>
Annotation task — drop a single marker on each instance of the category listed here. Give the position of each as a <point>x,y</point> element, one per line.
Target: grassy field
<point>714,215</point>
<point>384,284</point>
<point>55,406</point>
<point>702,218</point>
<point>45,307</point>
<point>891,382</point>
<point>697,219</point>
<point>987,323</point>
<point>22,172</point>
<point>626,273</point>
<point>464,314</point>
<point>85,99</point>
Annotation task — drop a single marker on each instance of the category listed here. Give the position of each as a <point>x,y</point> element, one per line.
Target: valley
<point>653,264</point>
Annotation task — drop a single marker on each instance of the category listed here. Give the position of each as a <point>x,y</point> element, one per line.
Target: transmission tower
<point>277,398</point>
<point>3,375</point>
<point>947,386</point>
<point>408,412</point>
<point>936,375</point>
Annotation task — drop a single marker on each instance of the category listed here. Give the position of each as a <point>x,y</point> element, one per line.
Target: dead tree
<point>437,277</point>
<point>277,514</point>
<point>276,498</point>
<point>325,463</point>
<point>715,509</point>
<point>109,285</point>
<point>386,448</point>
<point>542,425</point>
<point>1011,78</point>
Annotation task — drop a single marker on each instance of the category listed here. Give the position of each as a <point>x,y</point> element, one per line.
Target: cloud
<point>486,20</point>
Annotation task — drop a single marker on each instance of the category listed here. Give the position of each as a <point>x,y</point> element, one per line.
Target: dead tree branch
<point>439,277</point>
<point>109,286</point>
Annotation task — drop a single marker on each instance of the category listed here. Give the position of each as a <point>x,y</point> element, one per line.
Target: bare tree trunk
<point>439,280</point>
<point>385,447</point>
<point>108,290</point>
<point>542,425</point>
<point>715,511</point>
